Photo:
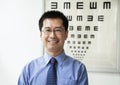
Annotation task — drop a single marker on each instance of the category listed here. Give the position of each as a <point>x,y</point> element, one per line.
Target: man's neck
<point>54,54</point>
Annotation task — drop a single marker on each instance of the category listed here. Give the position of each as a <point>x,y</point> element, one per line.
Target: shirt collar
<point>60,58</point>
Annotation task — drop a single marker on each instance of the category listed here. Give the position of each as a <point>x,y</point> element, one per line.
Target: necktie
<point>52,76</point>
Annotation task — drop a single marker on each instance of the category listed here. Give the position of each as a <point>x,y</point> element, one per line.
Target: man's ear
<point>40,35</point>
<point>66,34</point>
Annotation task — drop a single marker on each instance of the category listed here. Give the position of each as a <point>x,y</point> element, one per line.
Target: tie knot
<point>53,60</point>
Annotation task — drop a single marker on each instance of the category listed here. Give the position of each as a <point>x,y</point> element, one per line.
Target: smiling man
<point>54,67</point>
<point>53,36</point>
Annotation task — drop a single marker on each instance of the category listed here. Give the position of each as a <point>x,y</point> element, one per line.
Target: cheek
<point>43,39</point>
<point>63,38</point>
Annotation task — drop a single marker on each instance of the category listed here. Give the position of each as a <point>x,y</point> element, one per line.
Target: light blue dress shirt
<point>69,71</point>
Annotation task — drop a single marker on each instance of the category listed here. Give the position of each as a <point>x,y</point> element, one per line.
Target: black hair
<point>54,14</point>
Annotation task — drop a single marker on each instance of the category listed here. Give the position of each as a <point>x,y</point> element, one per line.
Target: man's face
<point>53,36</point>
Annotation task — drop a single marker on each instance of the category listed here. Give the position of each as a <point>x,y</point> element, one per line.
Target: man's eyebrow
<point>47,27</point>
<point>59,27</point>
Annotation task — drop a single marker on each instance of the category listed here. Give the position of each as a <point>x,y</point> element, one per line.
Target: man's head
<point>54,14</point>
<point>53,31</point>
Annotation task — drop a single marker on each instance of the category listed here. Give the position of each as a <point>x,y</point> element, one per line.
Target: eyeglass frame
<point>57,30</point>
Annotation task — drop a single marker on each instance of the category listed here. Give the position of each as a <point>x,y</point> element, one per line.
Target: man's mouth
<point>53,42</point>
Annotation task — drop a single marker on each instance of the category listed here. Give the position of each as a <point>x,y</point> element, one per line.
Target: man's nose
<point>52,34</point>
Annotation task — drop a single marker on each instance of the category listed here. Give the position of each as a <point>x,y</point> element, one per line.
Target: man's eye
<point>47,30</point>
<point>58,30</point>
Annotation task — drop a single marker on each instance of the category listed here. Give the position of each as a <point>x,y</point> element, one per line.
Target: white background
<point>20,41</point>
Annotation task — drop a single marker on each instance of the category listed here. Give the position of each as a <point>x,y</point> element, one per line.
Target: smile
<point>53,42</point>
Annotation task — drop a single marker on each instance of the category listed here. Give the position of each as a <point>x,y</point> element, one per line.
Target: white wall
<point>20,42</point>
<point>19,37</point>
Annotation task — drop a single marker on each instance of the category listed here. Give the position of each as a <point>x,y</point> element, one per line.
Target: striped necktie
<point>52,76</point>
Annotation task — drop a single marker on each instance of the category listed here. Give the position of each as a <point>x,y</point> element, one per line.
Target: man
<point>66,70</point>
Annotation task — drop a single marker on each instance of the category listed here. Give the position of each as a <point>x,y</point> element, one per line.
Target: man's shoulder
<point>34,63</point>
<point>73,60</point>
<point>75,64</point>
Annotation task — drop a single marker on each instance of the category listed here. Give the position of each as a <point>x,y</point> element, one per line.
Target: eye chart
<point>92,30</point>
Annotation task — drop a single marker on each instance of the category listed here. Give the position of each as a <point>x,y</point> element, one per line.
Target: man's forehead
<point>53,22</point>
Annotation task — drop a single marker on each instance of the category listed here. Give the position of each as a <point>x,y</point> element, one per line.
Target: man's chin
<point>52,49</point>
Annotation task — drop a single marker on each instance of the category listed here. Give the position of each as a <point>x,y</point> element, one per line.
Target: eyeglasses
<point>57,31</point>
